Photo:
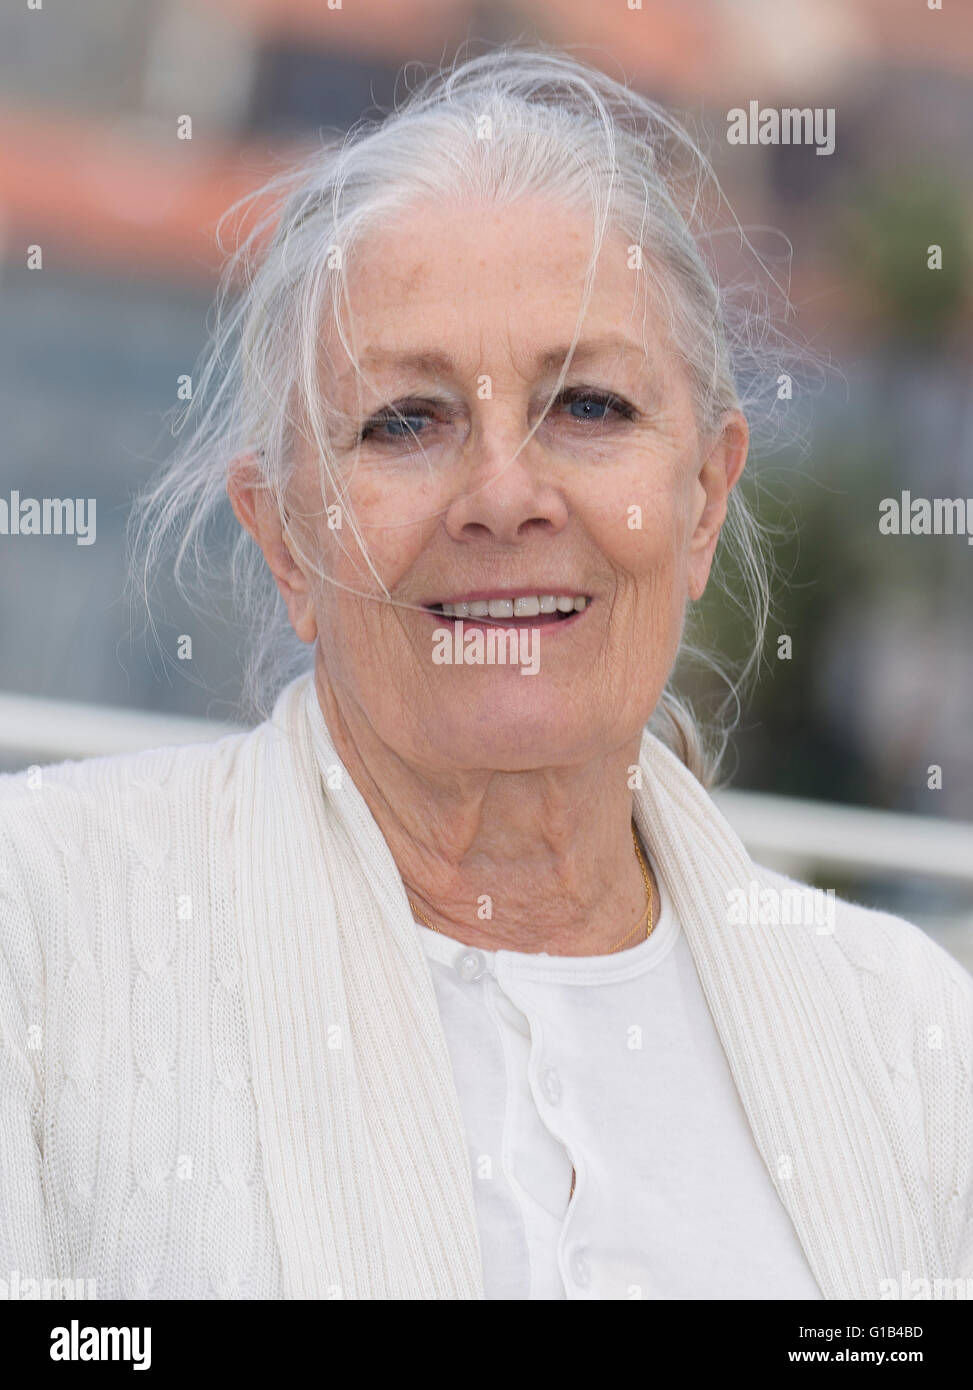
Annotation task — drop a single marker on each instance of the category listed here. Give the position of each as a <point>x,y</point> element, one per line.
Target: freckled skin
<point>494,288</point>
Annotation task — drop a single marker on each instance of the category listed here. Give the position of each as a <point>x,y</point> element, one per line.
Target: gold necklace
<point>646,914</point>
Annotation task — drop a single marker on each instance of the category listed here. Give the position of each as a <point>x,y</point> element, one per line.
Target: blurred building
<point>92,170</point>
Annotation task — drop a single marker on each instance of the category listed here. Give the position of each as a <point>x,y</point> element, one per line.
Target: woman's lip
<point>551,620</point>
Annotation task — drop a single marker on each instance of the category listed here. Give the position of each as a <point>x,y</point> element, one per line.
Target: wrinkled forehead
<point>453,296</point>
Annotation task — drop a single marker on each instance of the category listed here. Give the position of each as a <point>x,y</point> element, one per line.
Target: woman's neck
<point>531,861</point>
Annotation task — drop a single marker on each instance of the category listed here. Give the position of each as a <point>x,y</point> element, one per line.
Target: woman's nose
<point>505,493</point>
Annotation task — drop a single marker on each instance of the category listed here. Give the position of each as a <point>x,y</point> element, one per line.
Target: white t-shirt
<point>611,1065</point>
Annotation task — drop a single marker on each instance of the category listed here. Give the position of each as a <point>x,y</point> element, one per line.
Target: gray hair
<point>520,119</point>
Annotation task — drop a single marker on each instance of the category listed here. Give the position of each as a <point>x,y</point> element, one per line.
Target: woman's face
<point>461,320</point>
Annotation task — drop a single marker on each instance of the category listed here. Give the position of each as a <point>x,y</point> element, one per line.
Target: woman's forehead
<point>454,251</point>
<point>460,361</point>
<point>439,344</point>
<point>430,361</point>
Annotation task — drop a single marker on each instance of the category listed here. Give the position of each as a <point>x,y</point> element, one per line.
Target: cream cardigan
<point>223,1072</point>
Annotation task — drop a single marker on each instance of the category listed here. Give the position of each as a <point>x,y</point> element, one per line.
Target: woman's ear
<point>719,474</point>
<point>256,510</point>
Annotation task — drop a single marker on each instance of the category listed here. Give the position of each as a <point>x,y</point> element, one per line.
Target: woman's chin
<point>512,741</point>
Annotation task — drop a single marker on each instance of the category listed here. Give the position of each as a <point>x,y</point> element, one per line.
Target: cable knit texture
<point>223,1073</point>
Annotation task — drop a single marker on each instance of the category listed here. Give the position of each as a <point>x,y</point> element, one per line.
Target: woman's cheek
<point>396,518</point>
<point>642,539</point>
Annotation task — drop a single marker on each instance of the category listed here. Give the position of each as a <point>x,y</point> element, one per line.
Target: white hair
<point>521,119</point>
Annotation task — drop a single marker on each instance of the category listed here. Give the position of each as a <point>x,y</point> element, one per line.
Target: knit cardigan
<point>223,1072</point>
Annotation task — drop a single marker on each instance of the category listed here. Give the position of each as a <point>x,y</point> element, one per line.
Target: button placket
<point>575,1268</point>
<point>551,1085</point>
<point>545,1089</point>
<point>470,964</point>
<point>580,1269</point>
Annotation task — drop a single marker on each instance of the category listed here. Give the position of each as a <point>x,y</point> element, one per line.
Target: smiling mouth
<point>523,610</point>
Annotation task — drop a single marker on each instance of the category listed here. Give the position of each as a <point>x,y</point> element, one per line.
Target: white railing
<point>795,835</point>
<point>35,730</point>
<point>786,833</point>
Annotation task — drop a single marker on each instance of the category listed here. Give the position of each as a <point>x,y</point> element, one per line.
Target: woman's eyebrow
<point>431,362</point>
<point>590,348</point>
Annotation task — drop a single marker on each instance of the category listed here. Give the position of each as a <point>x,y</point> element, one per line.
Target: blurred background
<point>830,767</point>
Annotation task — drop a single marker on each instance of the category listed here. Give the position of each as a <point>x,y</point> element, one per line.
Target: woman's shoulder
<point>888,954</point>
<point>38,798</point>
<point>61,823</point>
<point>99,857</point>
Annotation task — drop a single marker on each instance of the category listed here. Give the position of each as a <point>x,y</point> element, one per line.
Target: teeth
<point>525,606</point>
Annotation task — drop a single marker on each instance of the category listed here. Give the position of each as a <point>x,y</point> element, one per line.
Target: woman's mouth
<point>512,610</point>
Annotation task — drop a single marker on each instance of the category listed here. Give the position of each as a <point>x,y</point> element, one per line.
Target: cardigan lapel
<point>360,1125</point>
<point>818,1097</point>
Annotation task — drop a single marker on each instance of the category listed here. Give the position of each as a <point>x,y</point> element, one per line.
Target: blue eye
<point>602,402</point>
<point>588,407</point>
<point>395,425</point>
<point>401,425</point>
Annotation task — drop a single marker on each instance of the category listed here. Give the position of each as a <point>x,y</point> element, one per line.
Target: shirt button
<point>580,1272</point>
<point>470,965</point>
<point>552,1085</point>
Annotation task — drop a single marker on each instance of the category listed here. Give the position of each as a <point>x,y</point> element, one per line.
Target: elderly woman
<point>436,984</point>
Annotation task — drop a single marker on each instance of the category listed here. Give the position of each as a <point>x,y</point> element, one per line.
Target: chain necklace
<point>646,915</point>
